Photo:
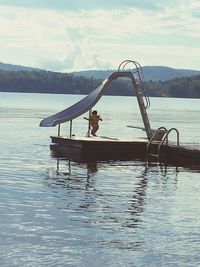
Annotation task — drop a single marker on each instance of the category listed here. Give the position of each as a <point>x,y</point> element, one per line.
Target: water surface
<point>60,213</point>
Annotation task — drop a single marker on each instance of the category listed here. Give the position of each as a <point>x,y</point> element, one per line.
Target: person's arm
<point>86,118</point>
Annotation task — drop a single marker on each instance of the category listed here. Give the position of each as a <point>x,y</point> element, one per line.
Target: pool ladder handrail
<point>164,138</point>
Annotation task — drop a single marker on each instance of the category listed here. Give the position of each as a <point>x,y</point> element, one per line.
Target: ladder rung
<point>156,142</point>
<point>153,155</point>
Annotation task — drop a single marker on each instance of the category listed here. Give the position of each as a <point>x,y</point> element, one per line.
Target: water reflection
<point>61,173</point>
<point>138,199</point>
<point>72,176</point>
<point>105,199</point>
<point>91,169</point>
<point>111,198</point>
<point>69,175</point>
<point>111,214</point>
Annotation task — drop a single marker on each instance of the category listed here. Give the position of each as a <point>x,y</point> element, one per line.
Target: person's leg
<point>94,130</point>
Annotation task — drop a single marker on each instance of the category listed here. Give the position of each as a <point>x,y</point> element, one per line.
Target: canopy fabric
<point>77,109</point>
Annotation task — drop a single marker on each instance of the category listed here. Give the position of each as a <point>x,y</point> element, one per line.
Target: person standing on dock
<point>94,122</point>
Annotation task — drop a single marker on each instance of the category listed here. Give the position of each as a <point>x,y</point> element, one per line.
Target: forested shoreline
<point>64,83</point>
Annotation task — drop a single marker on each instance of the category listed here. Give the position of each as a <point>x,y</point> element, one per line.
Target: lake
<point>60,213</point>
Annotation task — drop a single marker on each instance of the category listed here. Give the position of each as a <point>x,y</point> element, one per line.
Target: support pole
<point>88,133</point>
<point>70,129</point>
<point>59,129</point>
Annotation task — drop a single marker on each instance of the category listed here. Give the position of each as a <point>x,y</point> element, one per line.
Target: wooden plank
<point>99,139</point>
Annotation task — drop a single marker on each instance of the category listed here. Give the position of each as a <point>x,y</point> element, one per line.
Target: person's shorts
<point>94,125</point>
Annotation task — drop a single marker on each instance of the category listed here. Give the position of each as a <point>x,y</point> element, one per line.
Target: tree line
<point>64,83</point>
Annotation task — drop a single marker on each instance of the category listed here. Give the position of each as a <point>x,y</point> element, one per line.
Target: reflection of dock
<point>87,149</point>
<point>91,169</point>
<point>91,188</point>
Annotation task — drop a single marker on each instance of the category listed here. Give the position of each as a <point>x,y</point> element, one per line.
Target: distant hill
<point>65,83</point>
<point>156,73</point>
<point>153,73</point>
<point>11,67</point>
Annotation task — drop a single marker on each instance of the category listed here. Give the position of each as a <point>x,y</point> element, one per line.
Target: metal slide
<point>77,109</point>
<point>90,100</point>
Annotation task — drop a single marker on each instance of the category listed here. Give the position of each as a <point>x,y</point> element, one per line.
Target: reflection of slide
<point>77,109</point>
<point>83,105</point>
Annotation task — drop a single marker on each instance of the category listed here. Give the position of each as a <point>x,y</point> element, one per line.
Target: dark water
<point>59,213</point>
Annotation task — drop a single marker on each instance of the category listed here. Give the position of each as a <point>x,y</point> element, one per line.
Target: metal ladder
<point>158,138</point>
<point>138,84</point>
<point>143,107</point>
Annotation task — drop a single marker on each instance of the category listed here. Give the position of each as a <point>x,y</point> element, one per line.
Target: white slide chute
<point>83,105</point>
<point>77,109</point>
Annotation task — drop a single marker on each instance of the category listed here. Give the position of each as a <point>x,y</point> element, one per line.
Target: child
<point>94,122</point>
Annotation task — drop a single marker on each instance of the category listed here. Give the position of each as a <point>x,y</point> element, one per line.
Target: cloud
<point>64,40</point>
<point>89,4</point>
<point>67,4</point>
<point>196,13</point>
<point>57,64</point>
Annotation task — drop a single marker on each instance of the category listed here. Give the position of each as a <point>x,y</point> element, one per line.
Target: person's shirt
<point>94,119</point>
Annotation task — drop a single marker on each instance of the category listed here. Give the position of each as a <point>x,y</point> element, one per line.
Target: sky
<point>74,35</point>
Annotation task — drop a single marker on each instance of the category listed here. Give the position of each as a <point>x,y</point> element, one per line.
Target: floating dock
<point>90,149</point>
<point>156,147</point>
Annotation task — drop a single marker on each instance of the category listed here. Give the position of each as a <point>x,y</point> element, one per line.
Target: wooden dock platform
<point>90,149</point>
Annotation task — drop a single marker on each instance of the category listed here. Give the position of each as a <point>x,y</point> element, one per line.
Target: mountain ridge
<point>154,73</point>
<point>13,67</point>
<point>65,83</point>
